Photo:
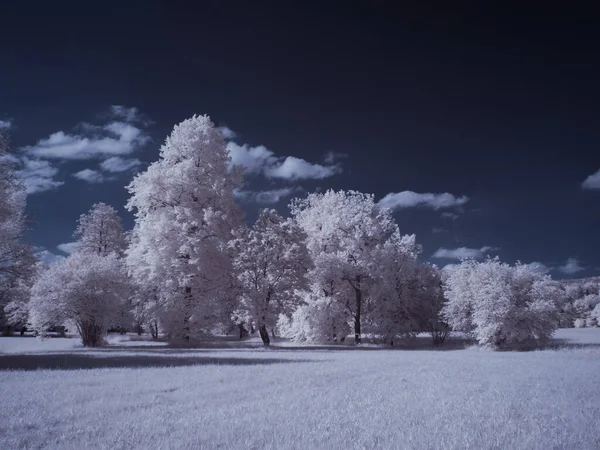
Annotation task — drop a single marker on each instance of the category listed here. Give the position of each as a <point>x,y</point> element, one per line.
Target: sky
<point>478,127</point>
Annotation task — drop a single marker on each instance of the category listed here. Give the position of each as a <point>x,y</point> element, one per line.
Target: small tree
<point>270,261</point>
<point>87,289</point>
<point>500,305</point>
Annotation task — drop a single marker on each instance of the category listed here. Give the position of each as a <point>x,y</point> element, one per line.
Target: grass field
<point>56,394</point>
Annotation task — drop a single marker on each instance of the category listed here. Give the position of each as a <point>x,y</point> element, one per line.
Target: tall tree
<point>184,215</point>
<point>16,257</point>
<point>271,261</point>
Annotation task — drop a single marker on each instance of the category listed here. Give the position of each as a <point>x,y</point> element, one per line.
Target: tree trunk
<point>264,335</point>
<point>154,329</point>
<point>358,293</point>
<point>91,334</point>
<point>243,331</point>
<point>186,319</point>
<point>273,332</point>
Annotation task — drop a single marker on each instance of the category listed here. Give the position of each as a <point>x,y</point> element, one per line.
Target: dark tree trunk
<point>91,334</point>
<point>186,320</point>
<point>358,294</point>
<point>273,332</point>
<point>243,331</point>
<point>154,329</point>
<point>23,330</point>
<point>264,335</point>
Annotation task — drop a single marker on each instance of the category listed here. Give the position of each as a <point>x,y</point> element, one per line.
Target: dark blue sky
<point>499,105</point>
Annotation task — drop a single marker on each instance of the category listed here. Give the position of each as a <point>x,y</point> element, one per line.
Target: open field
<point>132,396</point>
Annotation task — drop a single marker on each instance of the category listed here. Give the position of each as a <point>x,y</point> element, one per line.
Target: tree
<point>16,258</point>
<point>346,233</point>
<point>502,305</point>
<point>85,288</point>
<point>184,215</point>
<point>100,231</point>
<point>271,260</point>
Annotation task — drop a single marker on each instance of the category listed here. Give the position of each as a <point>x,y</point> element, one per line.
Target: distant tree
<point>502,305</point>
<point>271,261</point>
<point>100,231</point>
<point>184,215</point>
<point>16,257</point>
<point>85,288</point>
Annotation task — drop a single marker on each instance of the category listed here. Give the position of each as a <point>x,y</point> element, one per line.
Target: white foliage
<point>271,261</point>
<point>347,237</point>
<point>185,212</point>
<point>16,258</point>
<point>100,231</point>
<point>502,305</point>
<point>86,288</point>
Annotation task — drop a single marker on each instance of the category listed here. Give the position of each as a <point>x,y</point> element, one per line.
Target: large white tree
<point>271,261</point>
<point>347,232</point>
<point>16,257</point>
<point>502,305</point>
<point>184,215</point>
<point>86,289</point>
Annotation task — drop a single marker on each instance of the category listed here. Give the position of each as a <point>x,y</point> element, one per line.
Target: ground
<point>56,394</point>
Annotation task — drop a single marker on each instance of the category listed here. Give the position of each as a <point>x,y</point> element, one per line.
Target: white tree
<point>502,305</point>
<point>86,288</point>
<point>16,257</point>
<point>100,231</point>
<point>184,214</point>
<point>347,232</point>
<point>271,261</point>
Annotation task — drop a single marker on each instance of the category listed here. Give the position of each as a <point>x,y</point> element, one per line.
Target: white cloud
<point>5,124</point>
<point>449,267</point>
<point>125,113</point>
<point>227,133</point>
<point>592,182</point>
<point>538,267</point>
<point>269,196</point>
<point>260,159</point>
<point>47,257</point>
<point>254,159</point>
<point>333,157</point>
<point>38,175</point>
<point>116,138</point>
<point>439,230</point>
<point>293,168</point>
<point>449,215</point>
<point>463,252</point>
<point>90,176</point>
<point>67,247</point>
<point>118,164</point>
<point>409,199</point>
<point>571,267</point>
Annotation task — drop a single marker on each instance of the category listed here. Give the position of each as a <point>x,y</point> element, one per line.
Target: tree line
<point>190,267</point>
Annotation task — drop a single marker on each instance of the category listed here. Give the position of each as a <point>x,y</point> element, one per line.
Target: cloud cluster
<point>112,143</point>
<point>5,124</point>
<point>463,252</point>
<point>261,160</point>
<point>410,199</point>
<point>592,182</point>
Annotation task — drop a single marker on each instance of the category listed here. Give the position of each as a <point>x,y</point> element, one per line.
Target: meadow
<point>230,395</point>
